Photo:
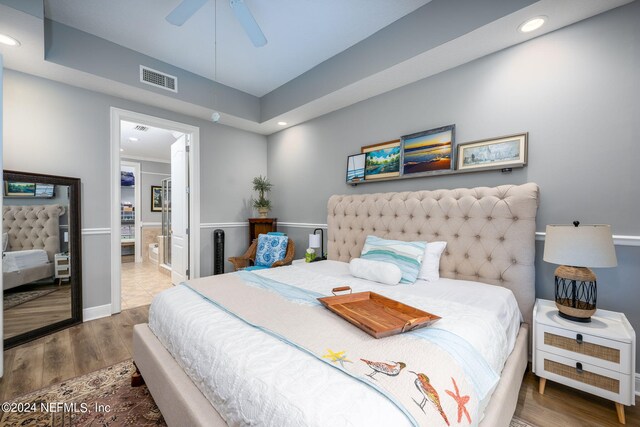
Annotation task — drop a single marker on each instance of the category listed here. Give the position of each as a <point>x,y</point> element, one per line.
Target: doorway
<point>157,251</point>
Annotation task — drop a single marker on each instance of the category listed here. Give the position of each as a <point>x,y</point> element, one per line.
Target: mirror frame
<point>75,242</point>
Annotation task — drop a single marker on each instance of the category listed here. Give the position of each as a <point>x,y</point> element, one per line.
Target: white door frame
<point>137,212</point>
<point>117,115</point>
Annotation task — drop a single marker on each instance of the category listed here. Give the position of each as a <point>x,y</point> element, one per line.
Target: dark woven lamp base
<point>576,293</point>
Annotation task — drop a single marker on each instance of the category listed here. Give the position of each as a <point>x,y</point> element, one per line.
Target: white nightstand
<point>597,357</point>
<point>62,267</point>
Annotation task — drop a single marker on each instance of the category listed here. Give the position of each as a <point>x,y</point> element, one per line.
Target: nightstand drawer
<point>606,353</point>
<point>592,379</point>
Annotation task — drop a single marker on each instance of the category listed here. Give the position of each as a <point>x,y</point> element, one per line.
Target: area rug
<point>103,398</point>
<point>16,298</point>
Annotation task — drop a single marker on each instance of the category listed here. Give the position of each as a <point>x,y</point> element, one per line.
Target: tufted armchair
<point>248,259</point>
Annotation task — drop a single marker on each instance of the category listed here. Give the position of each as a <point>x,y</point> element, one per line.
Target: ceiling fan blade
<point>184,11</point>
<point>246,19</point>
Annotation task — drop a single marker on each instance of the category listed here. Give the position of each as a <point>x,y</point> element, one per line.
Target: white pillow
<point>430,268</point>
<point>5,241</point>
<point>377,271</point>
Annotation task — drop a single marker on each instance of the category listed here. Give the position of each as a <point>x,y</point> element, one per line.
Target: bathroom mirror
<point>41,255</point>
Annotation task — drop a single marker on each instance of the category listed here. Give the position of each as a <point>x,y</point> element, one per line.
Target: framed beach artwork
<point>156,198</point>
<point>428,152</point>
<point>495,153</point>
<point>382,160</point>
<point>19,189</point>
<point>355,168</point>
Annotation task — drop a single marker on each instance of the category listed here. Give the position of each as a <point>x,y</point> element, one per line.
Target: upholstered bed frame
<point>31,227</point>
<point>490,235</point>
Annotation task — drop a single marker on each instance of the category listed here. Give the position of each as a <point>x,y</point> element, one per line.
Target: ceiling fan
<point>187,8</point>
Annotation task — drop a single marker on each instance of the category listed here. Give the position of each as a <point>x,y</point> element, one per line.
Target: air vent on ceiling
<point>141,128</point>
<point>158,79</point>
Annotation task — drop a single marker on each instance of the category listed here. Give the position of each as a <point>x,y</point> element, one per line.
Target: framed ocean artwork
<point>355,168</point>
<point>428,152</point>
<point>382,160</point>
<point>495,153</point>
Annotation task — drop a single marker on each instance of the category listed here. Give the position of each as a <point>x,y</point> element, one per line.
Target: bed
<point>490,235</point>
<point>33,234</point>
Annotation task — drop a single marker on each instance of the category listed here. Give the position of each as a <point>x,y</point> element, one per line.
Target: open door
<point>179,210</point>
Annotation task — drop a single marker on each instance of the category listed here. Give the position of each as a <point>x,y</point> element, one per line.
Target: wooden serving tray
<point>377,315</point>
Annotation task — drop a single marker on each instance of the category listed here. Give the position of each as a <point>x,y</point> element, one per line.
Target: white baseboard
<point>638,385</point>
<point>97,312</point>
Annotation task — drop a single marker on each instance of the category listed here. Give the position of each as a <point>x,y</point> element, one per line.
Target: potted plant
<point>262,185</point>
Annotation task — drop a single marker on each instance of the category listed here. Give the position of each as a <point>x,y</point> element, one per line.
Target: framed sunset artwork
<point>428,152</point>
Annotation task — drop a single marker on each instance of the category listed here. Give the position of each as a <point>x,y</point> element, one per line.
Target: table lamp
<point>317,241</point>
<point>576,248</point>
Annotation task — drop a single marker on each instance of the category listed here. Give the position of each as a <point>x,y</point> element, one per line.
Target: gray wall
<point>58,129</point>
<point>576,91</point>
<point>112,61</point>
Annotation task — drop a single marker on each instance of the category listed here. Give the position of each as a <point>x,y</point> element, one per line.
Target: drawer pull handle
<point>579,338</point>
<point>579,367</point>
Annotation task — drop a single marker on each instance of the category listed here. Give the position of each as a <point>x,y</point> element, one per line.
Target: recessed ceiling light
<point>532,24</point>
<point>282,123</point>
<point>122,149</point>
<point>133,139</point>
<point>9,41</point>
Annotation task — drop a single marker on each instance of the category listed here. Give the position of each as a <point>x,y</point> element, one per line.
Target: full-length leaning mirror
<point>41,255</point>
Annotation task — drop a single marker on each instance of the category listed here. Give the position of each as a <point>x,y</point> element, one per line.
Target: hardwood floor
<point>99,343</point>
<point>42,311</point>
<point>69,353</point>
<point>562,406</point>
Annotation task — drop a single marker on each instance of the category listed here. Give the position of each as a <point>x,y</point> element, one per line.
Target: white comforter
<point>253,378</point>
<point>21,260</point>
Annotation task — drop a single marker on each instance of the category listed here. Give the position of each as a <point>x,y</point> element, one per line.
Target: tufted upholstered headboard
<point>490,232</point>
<point>33,227</point>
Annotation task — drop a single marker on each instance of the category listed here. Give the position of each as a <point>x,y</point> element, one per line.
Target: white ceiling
<point>301,34</point>
<point>153,144</point>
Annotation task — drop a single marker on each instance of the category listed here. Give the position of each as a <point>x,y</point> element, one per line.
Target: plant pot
<point>263,212</point>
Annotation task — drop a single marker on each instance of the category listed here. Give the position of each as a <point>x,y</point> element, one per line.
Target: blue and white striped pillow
<point>406,255</point>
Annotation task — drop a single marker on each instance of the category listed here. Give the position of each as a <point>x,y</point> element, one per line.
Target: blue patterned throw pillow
<point>406,255</point>
<point>270,249</point>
